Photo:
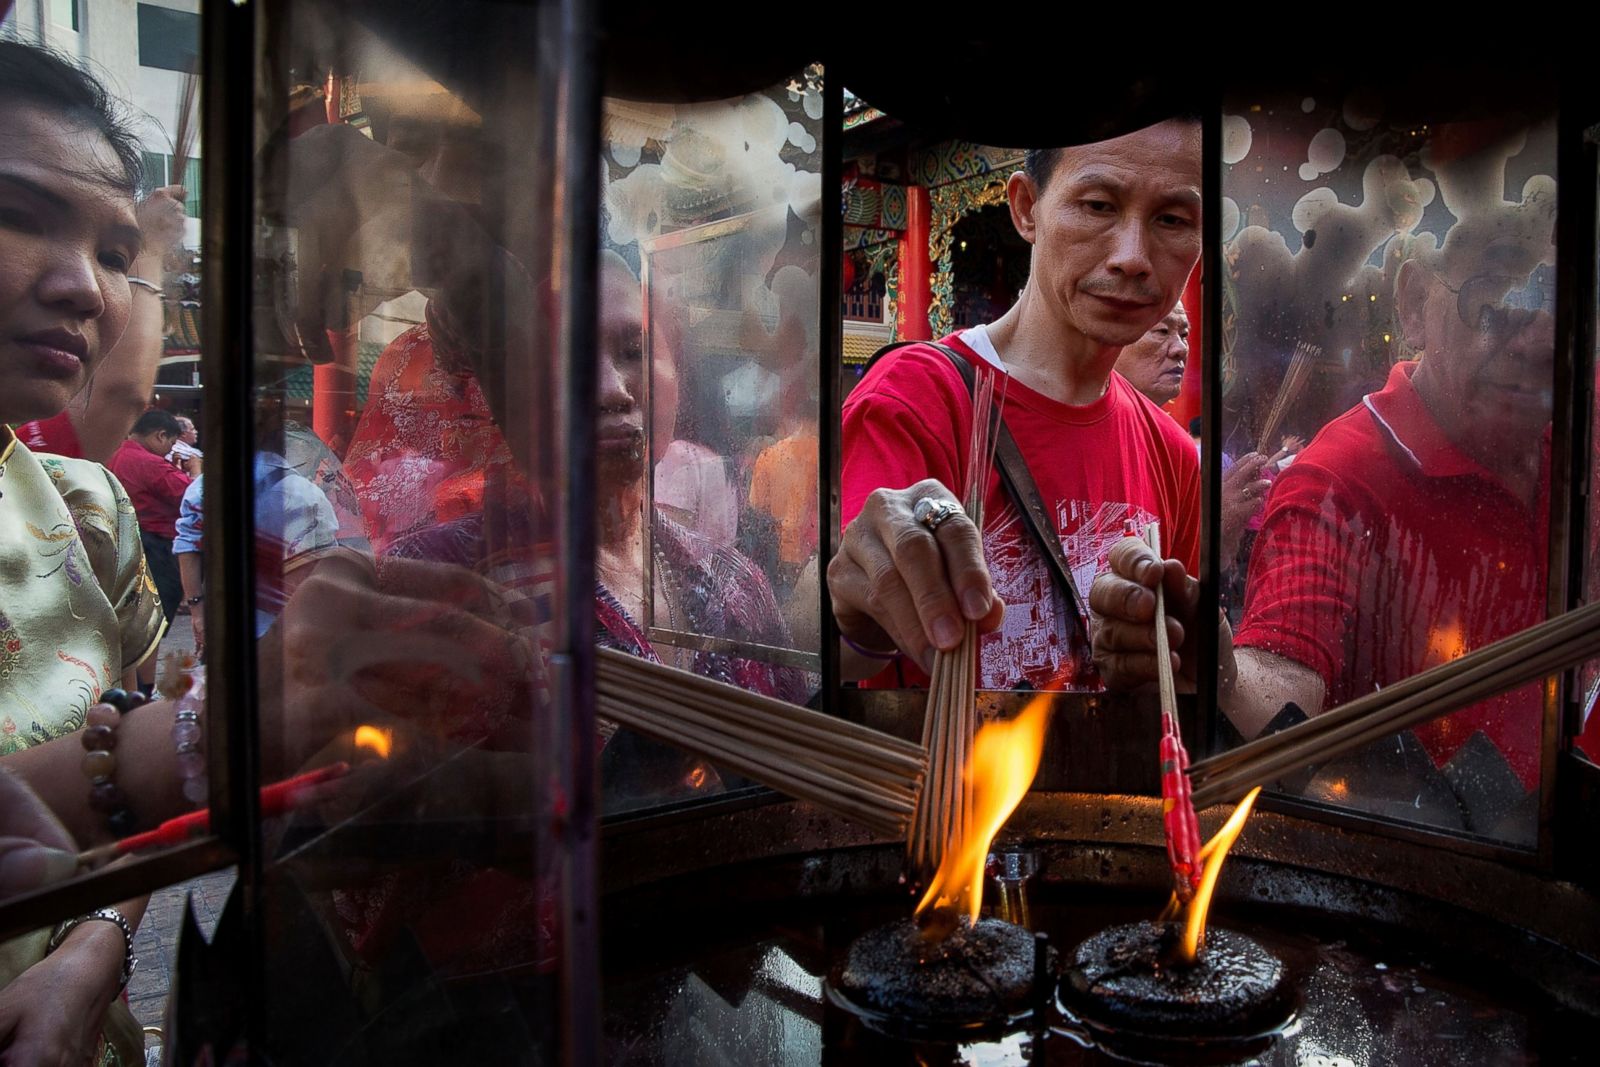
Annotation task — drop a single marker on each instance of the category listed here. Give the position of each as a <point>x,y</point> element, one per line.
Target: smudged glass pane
<point>1389,346</point>
<point>708,546</point>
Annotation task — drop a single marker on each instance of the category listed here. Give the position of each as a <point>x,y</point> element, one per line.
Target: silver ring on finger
<point>933,512</point>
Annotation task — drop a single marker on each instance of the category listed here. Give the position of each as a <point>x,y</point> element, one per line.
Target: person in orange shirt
<point>783,484</point>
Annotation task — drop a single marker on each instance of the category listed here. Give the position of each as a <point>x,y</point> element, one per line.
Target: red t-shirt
<point>1386,551</point>
<point>55,435</point>
<point>1118,458</point>
<point>154,486</point>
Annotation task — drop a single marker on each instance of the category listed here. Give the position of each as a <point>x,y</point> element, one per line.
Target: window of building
<point>65,13</point>
<point>158,172</point>
<point>168,39</point>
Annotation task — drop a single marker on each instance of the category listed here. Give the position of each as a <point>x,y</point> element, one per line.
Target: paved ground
<point>157,939</point>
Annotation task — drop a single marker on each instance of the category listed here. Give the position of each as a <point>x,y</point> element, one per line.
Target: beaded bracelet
<point>188,737</point>
<point>100,759</point>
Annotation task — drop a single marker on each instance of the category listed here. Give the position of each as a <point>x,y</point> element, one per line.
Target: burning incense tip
<point>378,741</point>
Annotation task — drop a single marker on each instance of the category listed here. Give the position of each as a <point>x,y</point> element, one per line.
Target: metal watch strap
<point>110,915</point>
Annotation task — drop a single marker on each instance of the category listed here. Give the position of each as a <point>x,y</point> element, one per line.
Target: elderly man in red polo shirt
<point>1411,530</point>
<point>156,488</point>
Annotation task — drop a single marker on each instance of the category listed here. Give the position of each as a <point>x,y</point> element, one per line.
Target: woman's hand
<point>35,850</point>
<point>423,643</point>
<point>51,1015</point>
<point>161,218</point>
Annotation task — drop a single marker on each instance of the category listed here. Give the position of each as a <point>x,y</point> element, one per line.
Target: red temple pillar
<point>916,268</point>
<point>333,389</point>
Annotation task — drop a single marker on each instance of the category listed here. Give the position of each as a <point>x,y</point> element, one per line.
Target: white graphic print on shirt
<point>1031,649</point>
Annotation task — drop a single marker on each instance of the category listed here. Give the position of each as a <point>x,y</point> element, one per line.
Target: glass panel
<point>409,560</point>
<point>712,258</point>
<point>1389,369</point>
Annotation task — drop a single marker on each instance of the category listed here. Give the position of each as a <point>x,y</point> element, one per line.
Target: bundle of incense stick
<point>944,808</point>
<point>1537,652</point>
<point>1294,380</point>
<point>853,770</point>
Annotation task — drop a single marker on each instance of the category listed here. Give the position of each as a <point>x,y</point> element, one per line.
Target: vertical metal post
<point>1572,417</point>
<point>1212,266</point>
<point>576,269</point>
<point>830,344</point>
<point>227,113</point>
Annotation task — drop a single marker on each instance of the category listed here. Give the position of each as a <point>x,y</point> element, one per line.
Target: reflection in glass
<point>403,248</point>
<point>1390,300</point>
<point>709,369</point>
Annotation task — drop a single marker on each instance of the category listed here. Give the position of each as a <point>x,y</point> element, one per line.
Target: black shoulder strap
<point>1020,486</point>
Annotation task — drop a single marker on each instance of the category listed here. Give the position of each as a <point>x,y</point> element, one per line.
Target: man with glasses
<point>1412,530</point>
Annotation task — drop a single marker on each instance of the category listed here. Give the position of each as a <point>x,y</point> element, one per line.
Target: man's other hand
<point>1123,601</point>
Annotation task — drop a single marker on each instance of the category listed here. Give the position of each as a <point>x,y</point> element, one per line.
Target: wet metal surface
<point>705,981</point>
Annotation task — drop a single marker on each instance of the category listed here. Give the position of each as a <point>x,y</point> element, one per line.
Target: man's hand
<point>895,584</point>
<point>1124,604</point>
<point>197,621</point>
<point>1244,492</point>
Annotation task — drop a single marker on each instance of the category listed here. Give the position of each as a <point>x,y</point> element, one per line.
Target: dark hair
<point>49,80</point>
<point>1039,164</point>
<point>1195,426</point>
<point>156,420</point>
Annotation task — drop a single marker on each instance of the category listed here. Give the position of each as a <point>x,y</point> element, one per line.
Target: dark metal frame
<point>830,365</point>
<point>1212,270</point>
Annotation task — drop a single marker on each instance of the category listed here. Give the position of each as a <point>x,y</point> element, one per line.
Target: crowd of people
<point>411,581</point>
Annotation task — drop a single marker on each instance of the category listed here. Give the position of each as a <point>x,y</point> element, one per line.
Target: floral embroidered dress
<point>426,449</point>
<point>77,607</point>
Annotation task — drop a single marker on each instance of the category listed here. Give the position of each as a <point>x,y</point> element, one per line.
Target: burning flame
<point>380,741</point>
<point>1212,853</point>
<point>1005,757</point>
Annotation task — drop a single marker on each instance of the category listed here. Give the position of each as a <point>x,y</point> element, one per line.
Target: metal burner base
<point>984,977</point>
<point>1122,984</point>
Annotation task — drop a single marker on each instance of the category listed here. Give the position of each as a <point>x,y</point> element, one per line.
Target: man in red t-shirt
<point>1412,530</point>
<point>156,489</point>
<point>1115,229</point>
